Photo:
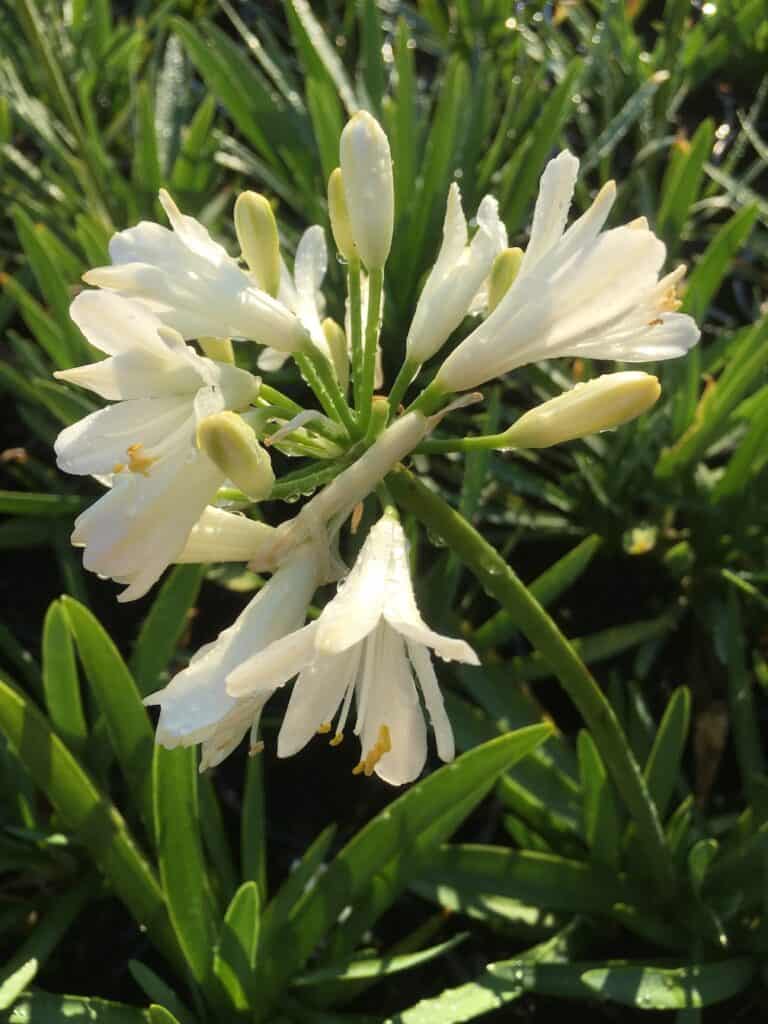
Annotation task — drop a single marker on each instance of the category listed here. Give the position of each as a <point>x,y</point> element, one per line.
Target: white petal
<point>315,699</point>
<point>270,359</point>
<point>140,526</point>
<point>433,698</point>
<point>99,441</point>
<point>455,234</point>
<point>196,699</point>
<point>393,702</point>
<point>115,325</point>
<point>191,232</point>
<point>274,665</point>
<point>400,609</point>
<point>360,601</point>
<point>551,211</point>
<point>220,536</point>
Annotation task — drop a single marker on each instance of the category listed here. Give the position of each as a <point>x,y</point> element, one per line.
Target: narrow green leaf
<point>662,769</point>
<point>40,1006</point>
<point>145,170</point>
<point>253,827</point>
<point>90,816</point>
<point>317,53</point>
<point>390,836</point>
<point>549,124</point>
<point>601,814</point>
<point>546,588</point>
<point>51,506</point>
<point>234,959</point>
<point>715,262</point>
<point>372,63</point>
<point>180,856</point>
<point>61,684</point>
<point>639,102</point>
<point>744,721</point>
<point>159,992</point>
<point>120,702</point>
<point>192,166</point>
<point>682,183</point>
<point>377,967</point>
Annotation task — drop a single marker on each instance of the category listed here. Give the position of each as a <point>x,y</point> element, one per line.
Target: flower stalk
<point>502,583</point>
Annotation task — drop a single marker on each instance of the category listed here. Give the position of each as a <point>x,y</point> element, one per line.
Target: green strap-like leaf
<point>60,681</point>
<point>84,810</point>
<point>234,960</point>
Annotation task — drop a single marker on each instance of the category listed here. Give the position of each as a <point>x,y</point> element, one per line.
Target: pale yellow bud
<point>229,442</point>
<point>219,349</point>
<point>337,346</point>
<point>366,167</point>
<point>588,408</point>
<point>259,242</point>
<point>503,273</point>
<point>339,215</point>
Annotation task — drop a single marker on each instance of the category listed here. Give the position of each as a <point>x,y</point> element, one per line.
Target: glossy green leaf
<point>127,721</point>
<point>602,822</point>
<point>91,817</point>
<point>390,836</point>
<point>716,261</point>
<point>61,683</point>
<point>180,856</point>
<point>42,1007</point>
<point>377,967</point>
<point>49,506</point>
<point>662,770</point>
<point>234,960</point>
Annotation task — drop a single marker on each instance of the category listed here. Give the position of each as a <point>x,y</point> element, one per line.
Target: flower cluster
<point>188,429</point>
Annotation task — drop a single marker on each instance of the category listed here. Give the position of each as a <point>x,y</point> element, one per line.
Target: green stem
<point>356,327</point>
<point>327,377</point>
<point>501,582</point>
<point>314,381</point>
<point>404,377</point>
<point>332,431</point>
<point>375,287</point>
<point>429,401</point>
<point>464,444</point>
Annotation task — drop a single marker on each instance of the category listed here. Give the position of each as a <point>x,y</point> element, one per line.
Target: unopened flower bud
<point>503,273</point>
<point>259,242</point>
<point>233,446</point>
<point>366,167</point>
<point>339,215</point>
<point>219,349</point>
<point>587,408</point>
<point>337,347</point>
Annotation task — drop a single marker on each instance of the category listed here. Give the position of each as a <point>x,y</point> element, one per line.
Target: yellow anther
<point>337,739</point>
<point>255,748</point>
<point>359,768</point>
<point>324,728</point>
<point>118,467</point>
<point>381,747</point>
<point>670,301</point>
<point>138,463</point>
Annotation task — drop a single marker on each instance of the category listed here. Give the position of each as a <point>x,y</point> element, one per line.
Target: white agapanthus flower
<point>192,285</point>
<point>300,292</point>
<point>195,706</point>
<point>457,276</point>
<point>580,292</point>
<point>160,481</point>
<point>369,642</point>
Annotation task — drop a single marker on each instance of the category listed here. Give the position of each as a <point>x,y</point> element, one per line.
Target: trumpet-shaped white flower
<point>192,285</point>
<point>580,292</point>
<point>301,293</point>
<point>368,643</point>
<point>195,706</point>
<point>458,274</point>
<point>161,481</point>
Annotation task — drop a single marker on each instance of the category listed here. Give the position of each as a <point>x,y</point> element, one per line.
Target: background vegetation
<point>520,878</point>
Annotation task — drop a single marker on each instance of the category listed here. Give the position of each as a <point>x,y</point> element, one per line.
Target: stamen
<point>336,739</point>
<point>359,768</point>
<point>357,515</point>
<point>324,728</point>
<point>138,463</point>
<point>255,748</point>
<point>118,467</point>
<point>381,747</point>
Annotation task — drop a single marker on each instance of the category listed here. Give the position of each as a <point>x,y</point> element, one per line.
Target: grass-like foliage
<point>600,845</point>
